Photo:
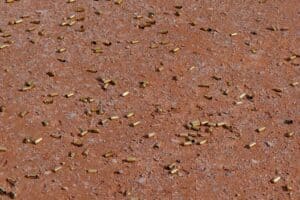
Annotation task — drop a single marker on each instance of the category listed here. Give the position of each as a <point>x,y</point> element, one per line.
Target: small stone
<point>141,180</point>
<point>269,144</point>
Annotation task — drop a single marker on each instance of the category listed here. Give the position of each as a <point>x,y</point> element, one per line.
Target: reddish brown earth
<point>243,55</point>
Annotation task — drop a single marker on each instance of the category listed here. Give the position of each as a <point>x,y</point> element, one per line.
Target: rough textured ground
<point>214,61</point>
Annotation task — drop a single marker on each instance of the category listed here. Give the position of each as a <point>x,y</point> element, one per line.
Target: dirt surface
<point>210,89</point>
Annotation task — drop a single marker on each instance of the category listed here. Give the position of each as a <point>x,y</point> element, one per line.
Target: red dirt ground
<point>229,61</point>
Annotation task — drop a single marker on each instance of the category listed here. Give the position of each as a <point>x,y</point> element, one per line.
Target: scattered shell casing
<point>92,70</point>
<point>138,17</point>
<point>174,171</point>
<point>108,154</point>
<point>77,142</point>
<point>204,123</point>
<point>171,166</point>
<point>32,176</point>
<point>71,16</point>
<point>261,129</point>
<point>114,117</point>
<point>93,130</point>
<point>27,140</point>
<point>64,23</point>
<point>86,99</point>
<point>272,28</point>
<point>4,46</point>
<point>175,50</point>
<point>195,125</point>
<point>202,142</point>
<point>56,169</point>
<point>238,102</point>
<point>209,97</point>
<point>18,21</point>
<point>163,31</point>
<point>291,58</point>
<point>105,86</point>
<point>218,78</point>
<point>61,50</point>
<point>144,84</point>
<point>294,84</point>
<point>56,135</point>
<point>287,188</point>
<point>102,122</point>
<point>134,42</point>
<point>35,22</point>
<point>225,92</point>
<point>38,140</point>
<point>26,88</point>
<point>129,115</point>
<point>9,42</point>
<point>289,134</point>
<point>3,149</point>
<point>187,143</point>
<point>45,123</point>
<point>277,89</point>
<point>48,101</point>
<point>135,123</point>
<point>211,124</point>
<point>275,179</point>
<point>5,35</point>
<point>159,69</point>
<point>221,124</point>
<point>69,95</point>
<point>150,135</point>
<point>83,133</point>
<point>130,159</point>
<point>79,9</point>
<point>65,188</point>
<point>23,114</point>
<point>191,68</point>
<point>242,95</point>
<point>97,50</point>
<point>118,2</point>
<point>124,94</point>
<point>105,81</point>
<point>54,94</point>
<point>153,46</point>
<point>252,144</point>
<point>71,23</point>
<point>91,171</point>
<point>184,135</point>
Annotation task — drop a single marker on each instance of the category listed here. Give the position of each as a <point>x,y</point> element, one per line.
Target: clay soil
<point>150,99</point>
